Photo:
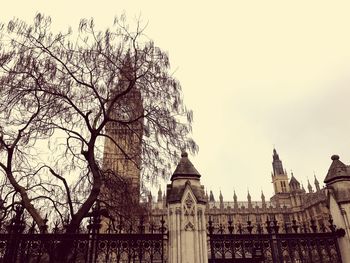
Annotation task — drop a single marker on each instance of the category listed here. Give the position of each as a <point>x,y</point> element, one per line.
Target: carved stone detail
<point>189,227</point>
<point>189,212</point>
<point>189,202</point>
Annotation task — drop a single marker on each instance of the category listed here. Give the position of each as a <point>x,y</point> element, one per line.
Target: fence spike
<point>230,226</point>
<point>295,226</point>
<point>210,227</point>
<point>249,226</point>
<point>313,225</point>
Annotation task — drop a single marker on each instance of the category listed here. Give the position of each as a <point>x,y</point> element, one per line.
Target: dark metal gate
<point>257,244</point>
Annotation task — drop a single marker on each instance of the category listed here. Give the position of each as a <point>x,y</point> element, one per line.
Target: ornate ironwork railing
<point>82,248</point>
<point>293,244</point>
<point>135,243</point>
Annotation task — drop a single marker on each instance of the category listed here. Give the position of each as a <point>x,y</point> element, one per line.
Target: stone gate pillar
<point>338,192</point>
<point>186,205</point>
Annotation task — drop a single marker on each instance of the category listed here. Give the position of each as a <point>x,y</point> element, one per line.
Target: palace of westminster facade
<point>189,212</point>
<point>289,202</point>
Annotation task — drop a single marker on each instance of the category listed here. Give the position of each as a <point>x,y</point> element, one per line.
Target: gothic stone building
<point>289,202</point>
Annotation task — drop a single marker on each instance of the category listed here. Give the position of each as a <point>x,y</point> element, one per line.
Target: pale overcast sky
<point>255,73</point>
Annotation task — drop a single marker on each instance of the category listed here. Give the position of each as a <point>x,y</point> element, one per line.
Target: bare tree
<point>59,93</point>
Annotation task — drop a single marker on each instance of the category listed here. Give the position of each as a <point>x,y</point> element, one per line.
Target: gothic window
<point>284,186</point>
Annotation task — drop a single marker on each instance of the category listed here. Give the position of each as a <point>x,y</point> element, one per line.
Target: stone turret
<point>186,203</point>
<point>280,182</point>
<point>338,180</point>
<point>338,191</point>
<point>294,183</point>
<point>296,192</point>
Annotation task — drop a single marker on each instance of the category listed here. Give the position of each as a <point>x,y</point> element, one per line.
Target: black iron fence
<point>270,242</point>
<point>139,242</point>
<point>145,242</point>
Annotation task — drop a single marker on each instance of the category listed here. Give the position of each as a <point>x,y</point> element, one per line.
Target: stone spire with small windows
<point>277,164</point>
<point>279,175</point>
<point>280,182</point>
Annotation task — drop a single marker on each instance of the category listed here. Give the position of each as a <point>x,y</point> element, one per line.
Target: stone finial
<point>185,169</point>
<point>249,198</point>
<point>317,184</point>
<point>250,206</point>
<point>263,200</point>
<point>309,187</point>
<point>211,196</point>
<point>235,204</point>
<point>221,198</point>
<point>335,157</point>
<point>337,170</point>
